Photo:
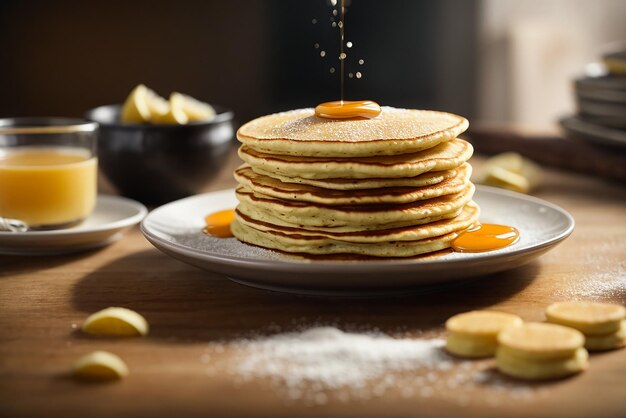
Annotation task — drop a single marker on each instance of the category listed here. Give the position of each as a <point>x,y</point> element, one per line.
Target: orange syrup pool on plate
<point>485,237</point>
<point>218,223</point>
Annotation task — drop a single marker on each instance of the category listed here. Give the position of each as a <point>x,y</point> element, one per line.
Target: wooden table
<point>44,299</point>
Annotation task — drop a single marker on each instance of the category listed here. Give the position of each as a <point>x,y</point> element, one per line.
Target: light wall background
<point>531,50</point>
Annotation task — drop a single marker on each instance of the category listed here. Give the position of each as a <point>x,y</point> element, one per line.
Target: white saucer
<point>105,225</point>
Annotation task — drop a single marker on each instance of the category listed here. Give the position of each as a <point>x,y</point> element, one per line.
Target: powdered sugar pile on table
<point>311,364</point>
<point>334,358</point>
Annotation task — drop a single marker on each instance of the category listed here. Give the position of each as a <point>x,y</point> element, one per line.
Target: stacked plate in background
<point>601,101</point>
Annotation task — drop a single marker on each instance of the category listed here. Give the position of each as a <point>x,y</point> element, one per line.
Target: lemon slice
<point>505,179</point>
<point>175,113</point>
<point>116,322</point>
<point>158,106</point>
<point>512,171</point>
<point>195,110</point>
<point>135,108</point>
<point>100,365</point>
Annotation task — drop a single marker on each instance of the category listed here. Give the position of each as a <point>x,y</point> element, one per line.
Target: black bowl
<point>156,164</point>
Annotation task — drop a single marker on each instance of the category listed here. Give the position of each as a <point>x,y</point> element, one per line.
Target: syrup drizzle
<point>345,109</point>
<point>342,55</point>
<point>218,223</point>
<point>485,237</point>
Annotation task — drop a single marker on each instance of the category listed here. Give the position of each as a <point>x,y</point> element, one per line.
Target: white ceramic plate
<point>105,225</point>
<point>176,229</point>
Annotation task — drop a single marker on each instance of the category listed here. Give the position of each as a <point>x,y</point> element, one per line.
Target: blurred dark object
<point>551,150</point>
<point>156,164</point>
<point>416,54</point>
<point>255,57</point>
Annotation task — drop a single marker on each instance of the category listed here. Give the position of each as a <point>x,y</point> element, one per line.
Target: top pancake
<point>393,132</point>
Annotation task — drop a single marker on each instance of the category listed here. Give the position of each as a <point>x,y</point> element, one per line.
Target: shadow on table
<point>11,265</point>
<point>188,304</point>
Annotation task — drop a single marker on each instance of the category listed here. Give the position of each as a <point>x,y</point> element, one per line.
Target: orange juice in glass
<point>48,171</point>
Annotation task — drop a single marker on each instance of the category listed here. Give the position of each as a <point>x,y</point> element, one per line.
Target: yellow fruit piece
<point>135,108</point>
<point>512,171</point>
<point>474,334</point>
<point>143,105</point>
<point>534,369</point>
<point>536,340</point>
<point>593,318</point>
<point>116,322</point>
<point>158,106</point>
<point>195,110</point>
<point>100,365</point>
<point>175,114</point>
<point>505,179</point>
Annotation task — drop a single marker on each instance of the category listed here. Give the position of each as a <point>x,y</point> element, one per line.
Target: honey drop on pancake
<point>218,223</point>
<point>485,237</point>
<point>345,109</point>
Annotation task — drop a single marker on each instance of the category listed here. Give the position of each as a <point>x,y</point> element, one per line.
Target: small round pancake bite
<point>541,341</point>
<point>608,341</point>
<point>528,369</point>
<point>538,351</point>
<point>590,318</point>
<point>475,334</point>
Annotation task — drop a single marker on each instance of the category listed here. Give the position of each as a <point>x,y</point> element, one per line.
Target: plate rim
<point>140,215</point>
<point>580,127</point>
<point>339,266</point>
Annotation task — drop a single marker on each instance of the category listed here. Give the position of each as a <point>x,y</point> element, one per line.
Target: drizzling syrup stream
<point>342,55</point>
<point>344,109</point>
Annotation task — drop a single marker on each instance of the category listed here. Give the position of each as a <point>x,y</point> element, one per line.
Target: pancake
<point>346,184</point>
<point>372,216</point>
<point>393,132</point>
<point>467,217</point>
<point>445,156</point>
<point>304,193</point>
<point>294,243</point>
<point>267,216</point>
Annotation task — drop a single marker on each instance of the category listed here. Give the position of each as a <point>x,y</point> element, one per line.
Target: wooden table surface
<point>44,299</point>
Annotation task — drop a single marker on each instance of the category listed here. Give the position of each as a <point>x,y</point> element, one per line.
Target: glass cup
<point>48,172</point>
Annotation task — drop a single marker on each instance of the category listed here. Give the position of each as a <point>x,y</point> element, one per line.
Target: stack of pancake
<point>397,185</point>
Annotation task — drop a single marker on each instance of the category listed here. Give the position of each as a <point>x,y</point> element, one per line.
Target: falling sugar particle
<point>342,56</point>
<point>322,54</point>
<point>341,24</point>
<point>316,45</point>
<point>334,12</point>
<point>332,70</point>
<point>333,2</point>
<point>350,75</point>
<point>349,44</point>
<point>361,62</point>
<point>314,21</point>
<point>358,74</point>
<point>334,25</point>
